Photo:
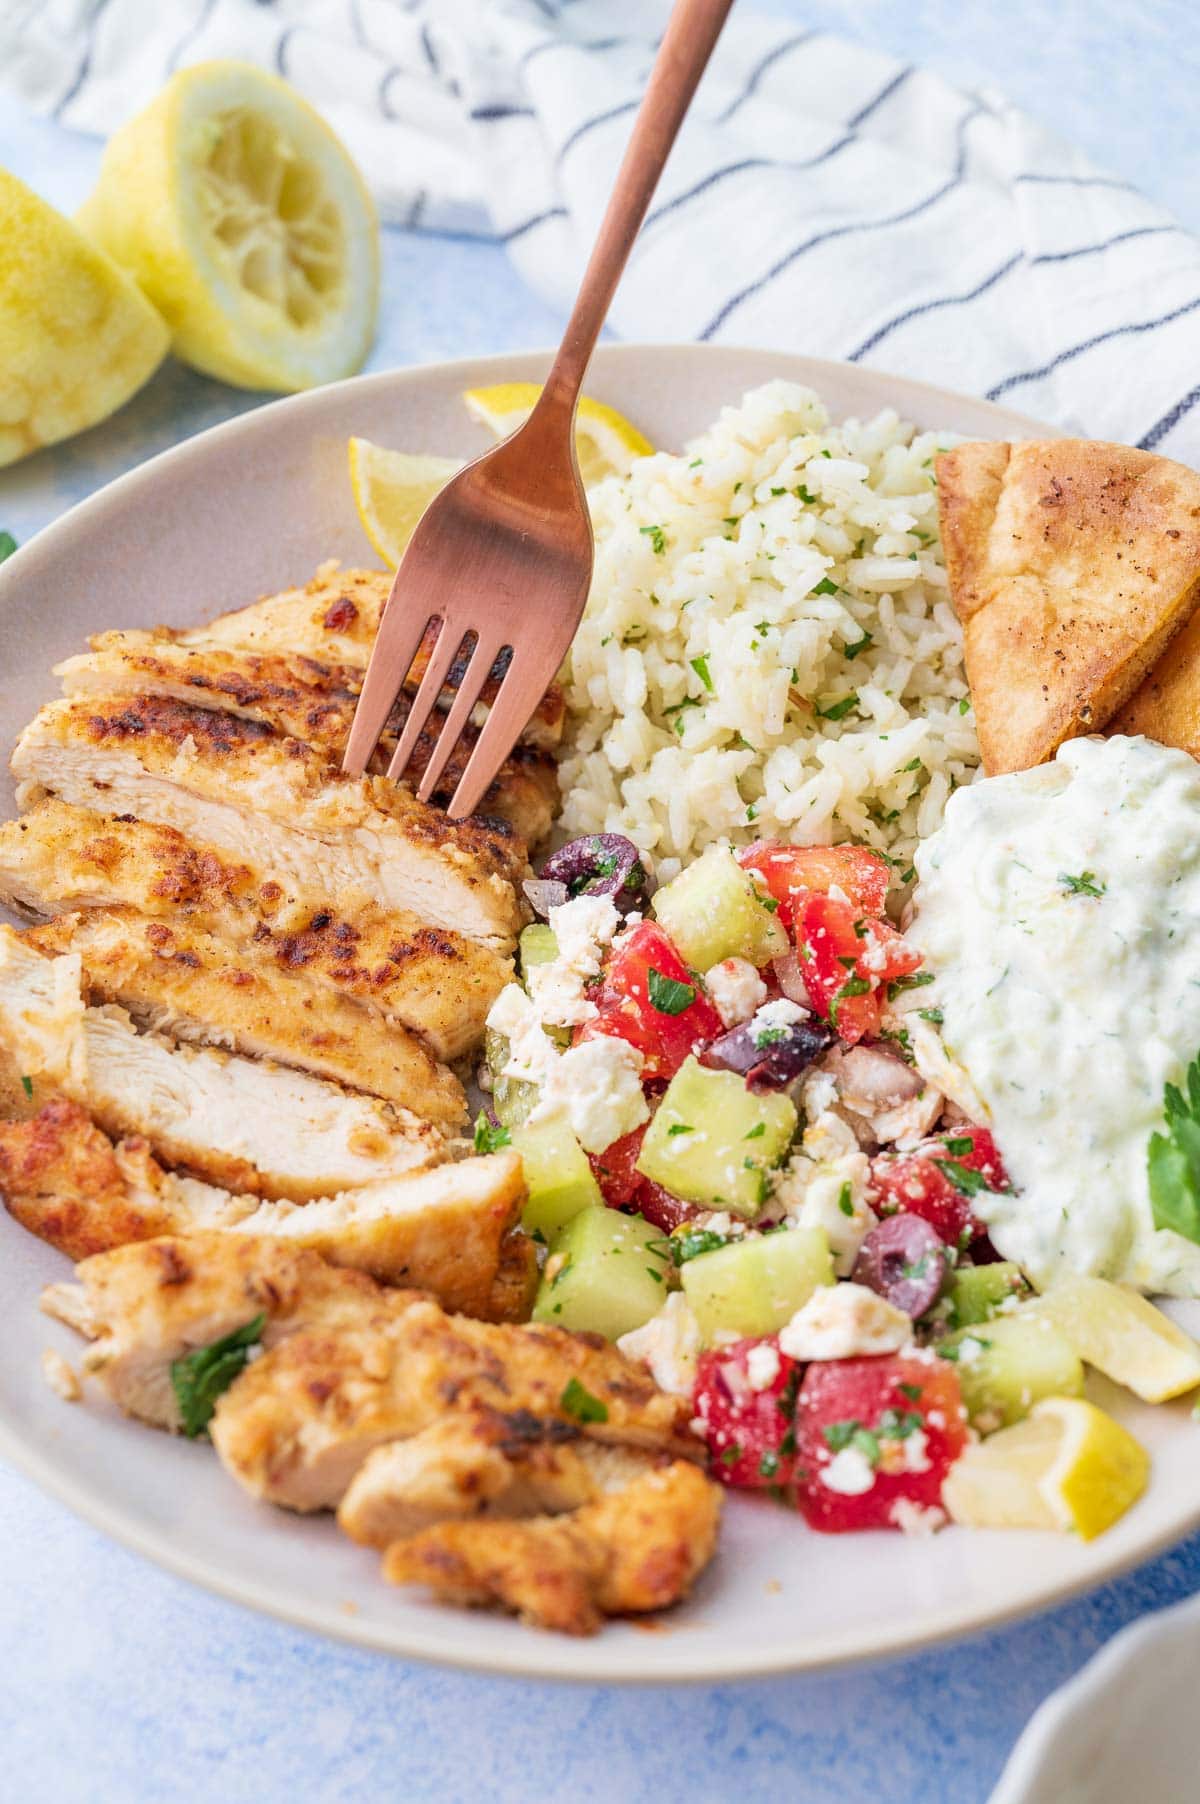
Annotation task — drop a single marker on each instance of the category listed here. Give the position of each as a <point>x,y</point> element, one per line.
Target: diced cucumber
<point>1007,1365</point>
<point>512,1098</point>
<point>558,1176</point>
<point>607,1274</point>
<point>714,910</point>
<point>977,1292</point>
<point>754,1286</point>
<point>537,945</point>
<point>713,1141</point>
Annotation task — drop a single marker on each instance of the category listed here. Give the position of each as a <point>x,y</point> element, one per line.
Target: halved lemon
<point>1124,1336</point>
<point>392,489</point>
<point>244,219</point>
<point>1068,1465</point>
<point>606,441</point>
<point>77,336</point>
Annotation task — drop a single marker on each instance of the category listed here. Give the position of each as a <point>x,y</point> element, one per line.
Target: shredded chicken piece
<point>62,1380</point>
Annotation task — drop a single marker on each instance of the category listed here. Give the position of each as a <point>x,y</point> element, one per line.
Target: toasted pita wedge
<point>1166,707</point>
<point>1072,565</point>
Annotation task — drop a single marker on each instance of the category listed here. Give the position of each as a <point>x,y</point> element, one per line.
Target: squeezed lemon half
<point>243,218</point>
<point>1068,1465</point>
<point>77,336</point>
<point>607,443</point>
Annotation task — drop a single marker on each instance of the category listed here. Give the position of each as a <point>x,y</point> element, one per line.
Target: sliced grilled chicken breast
<point>440,985</point>
<point>178,980</point>
<point>297,1425</point>
<point>448,1230</point>
<point>480,1463</point>
<point>245,791</point>
<point>334,619</point>
<point>307,700</point>
<point>639,1548</point>
<point>146,1305</point>
<point>244,1124</point>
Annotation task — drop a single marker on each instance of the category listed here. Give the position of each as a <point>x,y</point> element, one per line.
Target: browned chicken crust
<point>1072,565</point>
<point>335,618</point>
<point>235,784</point>
<point>306,700</point>
<point>437,984</point>
<point>639,1549</point>
<point>181,980</point>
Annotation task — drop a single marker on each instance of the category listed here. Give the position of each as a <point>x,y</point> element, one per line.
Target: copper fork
<point>502,556</point>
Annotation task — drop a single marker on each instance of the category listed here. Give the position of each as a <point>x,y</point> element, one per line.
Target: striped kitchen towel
<point>822,197</point>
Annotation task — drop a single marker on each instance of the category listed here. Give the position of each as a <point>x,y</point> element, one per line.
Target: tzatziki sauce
<point>1059,911</point>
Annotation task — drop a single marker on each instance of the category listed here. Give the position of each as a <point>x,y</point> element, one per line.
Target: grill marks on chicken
<point>450,1230</point>
<point>438,985</point>
<point>235,785</point>
<point>182,981</point>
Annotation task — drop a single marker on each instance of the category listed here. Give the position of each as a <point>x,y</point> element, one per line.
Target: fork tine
<point>522,687</point>
<point>441,657</point>
<point>475,675</point>
<point>396,645</point>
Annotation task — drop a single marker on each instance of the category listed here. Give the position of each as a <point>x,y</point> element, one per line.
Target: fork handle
<point>692,31</point>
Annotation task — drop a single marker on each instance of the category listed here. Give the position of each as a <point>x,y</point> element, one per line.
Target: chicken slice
<point>307,700</point>
<point>237,1121</point>
<point>149,1304</point>
<point>449,1230</point>
<point>640,1548</point>
<point>178,980</point>
<point>481,1463</point>
<point>298,1424</point>
<point>335,618</point>
<point>251,794</point>
<point>438,984</point>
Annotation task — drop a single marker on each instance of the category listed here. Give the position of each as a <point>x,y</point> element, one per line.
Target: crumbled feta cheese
<point>916,1518</point>
<point>762,1366</point>
<point>719,1221</point>
<point>845,1321</point>
<point>970,1350</point>
<point>583,930</point>
<point>782,1013</point>
<point>669,1343</point>
<point>827,1135</point>
<point>531,1055</point>
<point>849,1473</point>
<point>736,990</point>
<point>818,1092</point>
<point>598,1085</point>
<point>829,1194</point>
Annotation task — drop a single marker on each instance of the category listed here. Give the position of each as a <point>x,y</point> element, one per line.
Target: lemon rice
<point>606,442</point>
<point>245,221</point>
<point>77,337</point>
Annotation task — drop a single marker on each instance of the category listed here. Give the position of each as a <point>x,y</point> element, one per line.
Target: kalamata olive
<point>790,978</point>
<point>543,896</point>
<point>768,1059</point>
<point>602,864</point>
<point>903,1260</point>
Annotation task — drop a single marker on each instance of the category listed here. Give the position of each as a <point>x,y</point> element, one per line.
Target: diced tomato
<point>614,1169</point>
<point>938,1180</point>
<point>872,1434</point>
<point>627,1011</point>
<point>847,961</point>
<point>791,872</point>
<point>658,1206</point>
<point>750,1429</point>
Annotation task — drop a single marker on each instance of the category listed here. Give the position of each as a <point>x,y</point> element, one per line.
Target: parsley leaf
<point>657,538</point>
<point>700,666</point>
<point>915,981</point>
<point>853,986</point>
<point>852,651</point>
<point>668,995</point>
<point>826,586</point>
<point>846,1200</point>
<point>579,1402</point>
<point>964,1180</point>
<point>1083,885</point>
<point>7,545</point>
<point>489,1138</point>
<point>691,1243</point>
<point>680,1127</point>
<point>838,710</point>
<point>199,1378</point>
<point>1173,1160</point>
<point>840,1435</point>
<point>27,1085</point>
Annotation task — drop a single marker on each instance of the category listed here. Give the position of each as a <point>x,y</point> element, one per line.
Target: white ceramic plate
<point>250,507</point>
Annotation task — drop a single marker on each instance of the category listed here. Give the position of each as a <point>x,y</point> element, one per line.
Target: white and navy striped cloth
<point>822,197</point>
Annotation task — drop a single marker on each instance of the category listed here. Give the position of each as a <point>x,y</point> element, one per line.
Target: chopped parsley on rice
<point>769,650</point>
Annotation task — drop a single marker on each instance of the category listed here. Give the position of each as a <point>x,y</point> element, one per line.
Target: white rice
<point>735,589</point>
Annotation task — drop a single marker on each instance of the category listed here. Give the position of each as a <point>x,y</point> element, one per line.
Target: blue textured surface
<point>122,1685</point>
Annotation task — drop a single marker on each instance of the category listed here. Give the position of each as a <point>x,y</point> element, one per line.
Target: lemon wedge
<point>243,218</point>
<point>392,489</point>
<point>605,440</point>
<point>1123,1335</point>
<point>77,337</point>
<point>1068,1465</point>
